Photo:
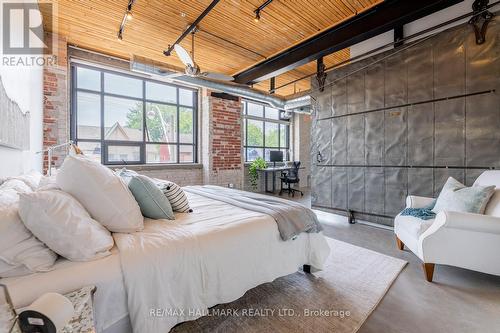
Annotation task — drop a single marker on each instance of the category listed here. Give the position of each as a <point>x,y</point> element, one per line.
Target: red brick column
<point>226,134</point>
<point>55,101</point>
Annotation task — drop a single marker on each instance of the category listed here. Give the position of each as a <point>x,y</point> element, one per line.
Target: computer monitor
<point>275,156</point>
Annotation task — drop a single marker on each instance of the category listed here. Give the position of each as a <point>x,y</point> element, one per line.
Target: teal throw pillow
<point>150,198</point>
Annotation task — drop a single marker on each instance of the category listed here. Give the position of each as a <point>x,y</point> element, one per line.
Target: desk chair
<point>289,178</point>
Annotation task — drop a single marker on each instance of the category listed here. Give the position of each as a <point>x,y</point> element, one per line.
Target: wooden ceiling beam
<point>379,19</point>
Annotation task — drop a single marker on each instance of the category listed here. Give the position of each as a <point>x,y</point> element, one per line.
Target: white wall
<point>24,85</point>
<point>417,26</point>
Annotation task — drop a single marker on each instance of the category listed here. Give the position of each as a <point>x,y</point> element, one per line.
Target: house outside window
<point>119,118</point>
<point>264,131</point>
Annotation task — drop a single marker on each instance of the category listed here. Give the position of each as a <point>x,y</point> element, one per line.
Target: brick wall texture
<point>226,134</point>
<point>55,101</point>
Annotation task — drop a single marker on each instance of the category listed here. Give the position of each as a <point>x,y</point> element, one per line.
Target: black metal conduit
<point>492,91</point>
<point>191,27</point>
<point>418,34</point>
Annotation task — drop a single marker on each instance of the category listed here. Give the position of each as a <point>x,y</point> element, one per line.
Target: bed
<point>173,271</point>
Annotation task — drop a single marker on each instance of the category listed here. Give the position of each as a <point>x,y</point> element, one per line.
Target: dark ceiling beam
<point>377,20</point>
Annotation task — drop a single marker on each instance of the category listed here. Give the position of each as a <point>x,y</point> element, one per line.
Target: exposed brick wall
<point>55,101</point>
<point>221,140</point>
<point>226,134</point>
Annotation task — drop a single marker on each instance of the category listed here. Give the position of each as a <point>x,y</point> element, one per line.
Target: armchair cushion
<point>457,197</point>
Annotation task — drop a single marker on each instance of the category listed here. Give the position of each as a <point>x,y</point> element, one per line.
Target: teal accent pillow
<point>457,197</point>
<point>150,198</point>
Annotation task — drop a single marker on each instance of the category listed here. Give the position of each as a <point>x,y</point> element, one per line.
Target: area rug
<point>337,299</point>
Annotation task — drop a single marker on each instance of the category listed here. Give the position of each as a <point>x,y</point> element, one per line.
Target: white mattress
<point>110,303</point>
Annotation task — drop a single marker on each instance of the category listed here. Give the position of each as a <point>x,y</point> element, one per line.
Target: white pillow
<point>20,251</point>
<point>32,179</point>
<point>104,195</point>
<point>61,222</point>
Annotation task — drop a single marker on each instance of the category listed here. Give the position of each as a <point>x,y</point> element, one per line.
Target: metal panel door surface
<point>339,188</point>
<point>356,140</point>
<point>396,82</point>
<point>449,135</point>
<point>449,64</point>
<point>483,130</point>
<point>421,135</point>
<point>421,182</point>
<point>356,92</point>
<point>339,141</point>
<point>339,97</point>
<point>356,189</point>
<point>322,139</point>
<point>420,72</point>
<point>395,136</point>
<point>374,87</point>
<point>396,190</point>
<point>321,186</point>
<point>374,138</point>
<point>374,190</point>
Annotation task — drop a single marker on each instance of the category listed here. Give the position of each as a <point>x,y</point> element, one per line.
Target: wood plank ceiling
<point>93,25</point>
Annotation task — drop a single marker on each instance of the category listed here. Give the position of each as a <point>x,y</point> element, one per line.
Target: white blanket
<point>175,270</point>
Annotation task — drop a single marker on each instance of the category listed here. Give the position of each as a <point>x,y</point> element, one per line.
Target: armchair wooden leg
<point>428,270</point>
<point>401,245</point>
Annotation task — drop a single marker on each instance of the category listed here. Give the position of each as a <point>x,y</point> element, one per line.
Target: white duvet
<point>175,270</point>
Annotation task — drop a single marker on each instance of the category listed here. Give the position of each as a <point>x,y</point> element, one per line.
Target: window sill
<point>145,167</point>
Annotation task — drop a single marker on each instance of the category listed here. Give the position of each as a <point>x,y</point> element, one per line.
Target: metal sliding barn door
<point>402,122</point>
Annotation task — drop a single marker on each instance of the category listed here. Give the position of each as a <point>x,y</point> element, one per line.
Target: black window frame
<point>104,144</point>
<point>265,120</point>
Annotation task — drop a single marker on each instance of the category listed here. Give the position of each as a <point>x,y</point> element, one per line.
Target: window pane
<point>186,154</point>
<point>186,125</point>
<point>272,136</point>
<point>122,85</point>
<point>91,149</point>
<point>161,122</point>
<point>186,97</point>
<point>122,119</point>
<point>285,154</point>
<point>272,113</point>
<point>161,92</point>
<point>283,136</point>
<point>124,153</point>
<point>253,153</point>
<point>88,114</point>
<point>255,131</point>
<point>158,153</point>
<point>88,79</point>
<point>255,110</point>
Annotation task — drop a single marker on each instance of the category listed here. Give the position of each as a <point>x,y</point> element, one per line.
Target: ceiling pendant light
<point>129,16</point>
<point>257,16</point>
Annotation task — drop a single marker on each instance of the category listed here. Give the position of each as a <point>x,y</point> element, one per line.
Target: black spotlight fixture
<point>259,9</point>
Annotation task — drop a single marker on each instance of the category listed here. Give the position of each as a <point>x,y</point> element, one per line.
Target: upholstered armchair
<point>466,240</point>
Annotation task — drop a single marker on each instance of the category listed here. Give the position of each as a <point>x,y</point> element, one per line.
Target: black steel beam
<point>379,19</point>
<point>193,25</point>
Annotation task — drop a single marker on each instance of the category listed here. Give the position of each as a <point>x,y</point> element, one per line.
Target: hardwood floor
<point>457,300</point>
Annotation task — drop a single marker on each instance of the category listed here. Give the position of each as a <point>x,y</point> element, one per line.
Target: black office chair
<point>289,178</point>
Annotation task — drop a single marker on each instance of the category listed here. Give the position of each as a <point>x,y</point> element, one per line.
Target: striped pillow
<point>176,196</point>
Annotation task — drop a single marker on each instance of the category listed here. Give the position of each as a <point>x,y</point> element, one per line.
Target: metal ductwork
<point>235,89</point>
<point>146,66</point>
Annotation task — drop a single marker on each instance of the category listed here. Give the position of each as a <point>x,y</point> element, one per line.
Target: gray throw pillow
<point>457,197</point>
<point>150,198</point>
